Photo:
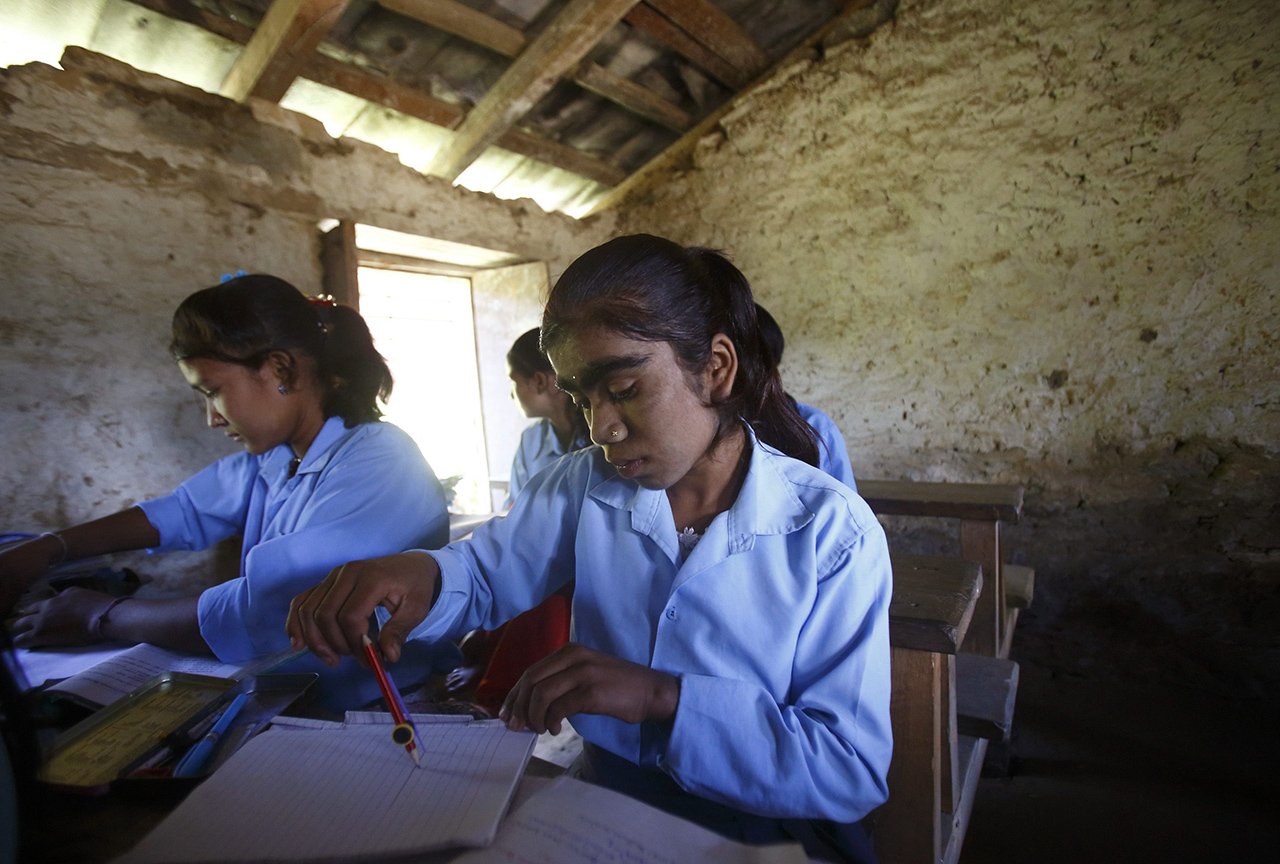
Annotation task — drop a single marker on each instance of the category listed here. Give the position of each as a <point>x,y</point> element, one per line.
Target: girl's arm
<point>22,565</point>
<point>77,615</point>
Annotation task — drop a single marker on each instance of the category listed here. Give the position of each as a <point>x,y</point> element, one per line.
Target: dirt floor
<point>1105,770</point>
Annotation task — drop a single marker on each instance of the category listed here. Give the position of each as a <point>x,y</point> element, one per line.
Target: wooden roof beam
<point>388,93</point>
<point>463,21</point>
<point>665,32</point>
<point>719,33</point>
<point>466,23</point>
<point>669,157</point>
<point>282,42</point>
<point>552,55</point>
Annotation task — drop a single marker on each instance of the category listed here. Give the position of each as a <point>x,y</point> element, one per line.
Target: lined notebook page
<point>345,794</point>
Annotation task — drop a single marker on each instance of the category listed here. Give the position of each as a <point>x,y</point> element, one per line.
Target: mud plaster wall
<point>1039,243</point>
<point>121,193</point>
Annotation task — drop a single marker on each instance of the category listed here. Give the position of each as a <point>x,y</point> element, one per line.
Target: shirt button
<point>671,613</point>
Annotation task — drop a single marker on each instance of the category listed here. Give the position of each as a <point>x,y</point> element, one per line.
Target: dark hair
<point>771,333</point>
<point>526,357</point>
<point>244,319</point>
<point>652,289</point>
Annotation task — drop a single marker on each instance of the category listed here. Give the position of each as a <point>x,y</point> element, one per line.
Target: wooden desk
<point>981,508</point>
<point>934,772</point>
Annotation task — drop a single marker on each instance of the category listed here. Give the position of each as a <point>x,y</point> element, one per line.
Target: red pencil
<point>404,732</point>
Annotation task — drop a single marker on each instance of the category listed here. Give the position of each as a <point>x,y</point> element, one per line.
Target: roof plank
<point>703,21</point>
<point>665,32</point>
<point>389,93</point>
<point>634,97</point>
<point>282,42</point>
<point>553,54</point>
<point>670,157</point>
<point>463,21</point>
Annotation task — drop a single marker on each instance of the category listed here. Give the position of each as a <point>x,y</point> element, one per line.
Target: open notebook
<point>344,794</point>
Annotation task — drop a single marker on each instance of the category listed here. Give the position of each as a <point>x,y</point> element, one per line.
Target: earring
<point>282,390</point>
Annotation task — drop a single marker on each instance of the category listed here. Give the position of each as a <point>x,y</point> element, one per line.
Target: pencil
<point>404,732</point>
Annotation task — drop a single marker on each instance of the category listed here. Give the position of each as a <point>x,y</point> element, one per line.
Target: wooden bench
<point>981,508</point>
<point>934,773</point>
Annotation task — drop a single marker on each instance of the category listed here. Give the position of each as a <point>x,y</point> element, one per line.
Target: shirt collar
<point>766,504</point>
<point>276,461</point>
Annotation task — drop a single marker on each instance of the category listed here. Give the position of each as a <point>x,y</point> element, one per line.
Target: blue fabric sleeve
<point>371,500</point>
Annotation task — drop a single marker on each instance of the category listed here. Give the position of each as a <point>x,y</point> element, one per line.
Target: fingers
<point>333,617</point>
<point>532,702</point>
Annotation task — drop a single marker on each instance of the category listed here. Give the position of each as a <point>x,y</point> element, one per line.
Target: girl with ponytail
<point>296,383</point>
<point>729,659</point>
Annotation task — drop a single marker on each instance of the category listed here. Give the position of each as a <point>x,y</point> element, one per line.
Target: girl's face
<point>243,402</point>
<point>654,421</point>
<point>525,391</point>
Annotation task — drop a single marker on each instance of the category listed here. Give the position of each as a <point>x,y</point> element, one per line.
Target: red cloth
<point>525,640</point>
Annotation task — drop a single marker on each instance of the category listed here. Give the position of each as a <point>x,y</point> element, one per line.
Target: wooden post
<point>910,831</point>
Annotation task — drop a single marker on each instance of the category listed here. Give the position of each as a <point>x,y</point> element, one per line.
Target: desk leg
<point>908,827</point>
<point>980,542</point>
<point>949,759</point>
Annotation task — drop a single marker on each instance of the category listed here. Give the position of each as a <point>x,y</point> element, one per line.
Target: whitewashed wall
<point>1039,243</point>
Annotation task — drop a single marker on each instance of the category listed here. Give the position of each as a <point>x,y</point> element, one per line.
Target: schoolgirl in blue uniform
<point>558,428</point>
<point>321,480</point>
<point>730,654</point>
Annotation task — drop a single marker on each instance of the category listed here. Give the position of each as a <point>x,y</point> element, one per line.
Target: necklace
<point>293,465</point>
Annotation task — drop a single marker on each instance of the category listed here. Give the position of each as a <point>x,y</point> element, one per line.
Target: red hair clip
<point>322,300</point>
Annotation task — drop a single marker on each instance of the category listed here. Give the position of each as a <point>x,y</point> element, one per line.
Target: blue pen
<point>193,764</point>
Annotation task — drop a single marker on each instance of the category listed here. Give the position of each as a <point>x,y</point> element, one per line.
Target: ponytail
<point>243,320</point>
<point>764,404</point>
<point>354,374</point>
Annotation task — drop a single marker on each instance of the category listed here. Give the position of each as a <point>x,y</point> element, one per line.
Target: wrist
<point>665,698</point>
<point>58,546</point>
<point>102,618</point>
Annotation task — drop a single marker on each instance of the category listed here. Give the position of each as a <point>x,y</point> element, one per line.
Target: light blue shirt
<point>539,447</point>
<point>776,624</point>
<point>833,457</point>
<point>358,493</point>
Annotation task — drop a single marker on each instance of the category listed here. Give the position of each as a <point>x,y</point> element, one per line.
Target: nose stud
<point>613,434</point>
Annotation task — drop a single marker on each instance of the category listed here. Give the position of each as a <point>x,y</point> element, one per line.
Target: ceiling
<point>569,102</point>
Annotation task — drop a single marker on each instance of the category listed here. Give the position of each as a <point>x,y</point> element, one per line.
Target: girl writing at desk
<point>730,654</point>
<point>296,384</point>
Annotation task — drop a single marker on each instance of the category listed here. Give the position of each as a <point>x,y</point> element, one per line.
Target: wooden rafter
<point>556,52</point>
<point>462,21</point>
<point>719,33</point>
<point>284,40</point>
<point>666,32</point>
<point>669,157</point>
<point>386,92</point>
<point>476,27</point>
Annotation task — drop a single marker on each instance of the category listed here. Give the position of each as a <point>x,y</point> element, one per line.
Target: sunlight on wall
<point>423,325</point>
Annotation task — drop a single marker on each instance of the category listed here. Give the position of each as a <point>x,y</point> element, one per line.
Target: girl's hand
<point>66,618</point>
<point>332,617</point>
<point>578,680</point>
<point>22,565</point>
